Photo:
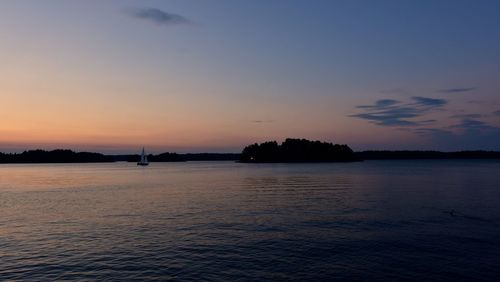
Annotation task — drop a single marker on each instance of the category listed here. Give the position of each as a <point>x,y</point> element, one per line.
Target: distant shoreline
<point>427,155</point>
<point>68,156</point>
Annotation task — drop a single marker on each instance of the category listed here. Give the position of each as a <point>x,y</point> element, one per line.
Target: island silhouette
<point>297,150</point>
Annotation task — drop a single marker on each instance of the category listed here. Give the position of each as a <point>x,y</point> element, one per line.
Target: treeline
<point>55,156</point>
<point>174,157</point>
<point>211,156</point>
<point>414,155</point>
<point>297,150</point>
<point>69,156</point>
<point>292,150</point>
<point>164,157</point>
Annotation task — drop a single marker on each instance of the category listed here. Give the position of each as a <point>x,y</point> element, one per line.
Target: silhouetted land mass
<point>413,155</point>
<point>174,157</point>
<point>55,156</point>
<point>294,150</point>
<point>163,157</point>
<point>120,158</point>
<point>297,150</point>
<point>211,157</point>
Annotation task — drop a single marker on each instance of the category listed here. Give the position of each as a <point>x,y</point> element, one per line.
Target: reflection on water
<point>374,220</point>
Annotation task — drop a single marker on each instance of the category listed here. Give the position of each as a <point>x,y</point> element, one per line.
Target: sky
<point>215,76</point>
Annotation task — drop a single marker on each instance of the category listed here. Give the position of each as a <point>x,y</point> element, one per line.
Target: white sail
<point>144,158</point>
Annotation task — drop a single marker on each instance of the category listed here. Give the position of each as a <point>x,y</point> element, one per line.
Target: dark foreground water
<point>223,221</point>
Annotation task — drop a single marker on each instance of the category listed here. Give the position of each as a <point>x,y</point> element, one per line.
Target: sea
<point>404,220</point>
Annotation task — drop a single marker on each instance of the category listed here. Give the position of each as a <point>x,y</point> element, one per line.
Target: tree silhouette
<point>297,150</point>
<point>55,156</point>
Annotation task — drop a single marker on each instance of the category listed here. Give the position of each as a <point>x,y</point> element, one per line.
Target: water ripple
<point>221,221</point>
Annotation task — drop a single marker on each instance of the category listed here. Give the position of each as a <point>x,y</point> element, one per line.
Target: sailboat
<point>144,159</point>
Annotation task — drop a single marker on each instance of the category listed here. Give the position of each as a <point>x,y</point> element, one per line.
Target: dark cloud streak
<point>463,116</point>
<point>429,101</point>
<point>474,124</point>
<point>157,16</point>
<point>473,135</point>
<point>380,104</point>
<point>457,90</point>
<point>262,121</point>
<point>388,112</point>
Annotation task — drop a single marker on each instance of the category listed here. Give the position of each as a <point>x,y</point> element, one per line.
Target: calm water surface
<point>223,221</point>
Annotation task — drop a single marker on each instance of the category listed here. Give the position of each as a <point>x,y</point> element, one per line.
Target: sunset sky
<point>214,76</point>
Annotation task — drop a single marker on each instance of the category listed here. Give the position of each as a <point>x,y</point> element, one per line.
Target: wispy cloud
<point>472,134</point>
<point>473,124</point>
<point>388,112</point>
<point>380,104</point>
<point>457,90</point>
<point>157,16</point>
<point>462,116</point>
<point>389,118</point>
<point>477,102</point>
<point>431,102</point>
<point>468,130</point>
<point>262,121</point>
